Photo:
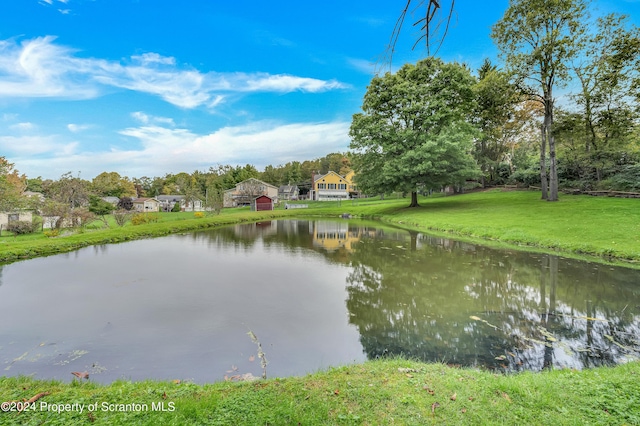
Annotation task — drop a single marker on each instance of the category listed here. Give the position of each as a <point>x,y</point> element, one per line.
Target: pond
<point>315,294</point>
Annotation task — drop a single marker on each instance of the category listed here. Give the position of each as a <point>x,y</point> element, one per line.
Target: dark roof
<point>317,177</point>
<point>170,197</point>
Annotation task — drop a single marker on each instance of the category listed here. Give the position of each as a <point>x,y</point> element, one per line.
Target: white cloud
<point>146,119</point>
<point>260,143</point>
<point>75,128</point>
<point>40,68</point>
<point>150,58</point>
<point>22,127</point>
<point>288,83</point>
<point>51,3</point>
<point>31,145</point>
<point>167,150</point>
<point>217,100</point>
<point>182,88</point>
<point>140,116</point>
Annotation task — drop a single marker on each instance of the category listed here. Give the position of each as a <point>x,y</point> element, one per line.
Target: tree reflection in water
<point>441,300</point>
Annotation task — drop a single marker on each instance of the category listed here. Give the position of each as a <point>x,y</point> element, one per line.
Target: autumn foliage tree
<point>12,185</point>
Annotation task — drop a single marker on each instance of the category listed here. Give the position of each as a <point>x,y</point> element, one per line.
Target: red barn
<point>262,202</point>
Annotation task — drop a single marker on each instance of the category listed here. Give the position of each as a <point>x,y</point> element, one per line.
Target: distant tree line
<point>73,199</point>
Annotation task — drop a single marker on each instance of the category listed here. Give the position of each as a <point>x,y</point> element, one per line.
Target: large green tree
<point>414,130</point>
<point>538,39</point>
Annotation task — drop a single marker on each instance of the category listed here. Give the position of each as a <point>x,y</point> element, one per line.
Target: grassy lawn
<point>608,228</point>
<point>374,393</point>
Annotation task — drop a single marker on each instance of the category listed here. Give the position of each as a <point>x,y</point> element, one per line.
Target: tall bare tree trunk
<point>553,170</point>
<point>553,179</point>
<point>543,162</point>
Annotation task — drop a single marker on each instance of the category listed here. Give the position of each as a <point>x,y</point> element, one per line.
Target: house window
<point>13,218</point>
<point>332,186</point>
<point>342,186</point>
<point>322,186</point>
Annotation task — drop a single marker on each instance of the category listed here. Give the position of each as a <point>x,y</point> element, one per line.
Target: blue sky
<point>149,87</point>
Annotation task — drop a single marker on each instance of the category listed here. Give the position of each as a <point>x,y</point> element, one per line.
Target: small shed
<point>261,203</point>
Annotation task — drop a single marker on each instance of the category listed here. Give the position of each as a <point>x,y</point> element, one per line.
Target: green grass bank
<point>379,392</point>
<point>605,228</point>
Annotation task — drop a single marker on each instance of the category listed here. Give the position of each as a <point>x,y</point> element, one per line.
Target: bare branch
<point>428,27</point>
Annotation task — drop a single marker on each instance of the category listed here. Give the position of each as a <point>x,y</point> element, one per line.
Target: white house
<point>168,201</point>
<point>146,205</point>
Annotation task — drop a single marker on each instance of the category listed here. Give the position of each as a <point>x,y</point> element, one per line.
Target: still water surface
<point>316,294</point>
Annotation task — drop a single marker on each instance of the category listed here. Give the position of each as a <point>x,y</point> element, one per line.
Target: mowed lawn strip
<point>373,393</point>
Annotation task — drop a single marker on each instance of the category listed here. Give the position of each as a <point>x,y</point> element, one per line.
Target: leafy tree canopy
<point>414,130</point>
<point>111,184</point>
<point>100,207</point>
